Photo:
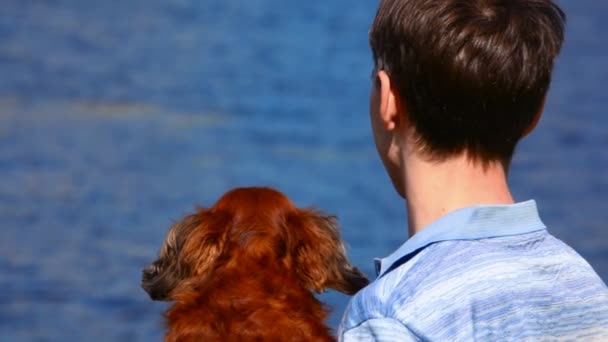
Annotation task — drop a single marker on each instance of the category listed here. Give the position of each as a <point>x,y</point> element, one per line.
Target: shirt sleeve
<point>379,330</point>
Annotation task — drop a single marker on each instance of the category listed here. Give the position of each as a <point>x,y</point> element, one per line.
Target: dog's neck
<point>247,280</point>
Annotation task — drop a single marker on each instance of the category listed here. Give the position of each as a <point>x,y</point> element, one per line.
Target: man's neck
<point>434,189</point>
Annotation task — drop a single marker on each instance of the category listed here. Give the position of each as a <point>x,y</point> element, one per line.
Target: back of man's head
<point>471,75</point>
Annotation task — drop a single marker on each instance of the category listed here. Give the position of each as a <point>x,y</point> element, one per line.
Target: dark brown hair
<point>471,74</point>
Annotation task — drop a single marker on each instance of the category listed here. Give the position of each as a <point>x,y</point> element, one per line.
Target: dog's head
<point>262,226</point>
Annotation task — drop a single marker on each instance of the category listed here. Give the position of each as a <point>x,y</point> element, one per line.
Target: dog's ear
<point>189,250</point>
<point>319,254</point>
<point>205,243</point>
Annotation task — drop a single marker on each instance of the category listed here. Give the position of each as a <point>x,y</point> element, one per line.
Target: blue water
<point>116,118</point>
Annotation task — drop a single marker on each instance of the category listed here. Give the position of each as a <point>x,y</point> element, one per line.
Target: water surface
<point>116,118</point>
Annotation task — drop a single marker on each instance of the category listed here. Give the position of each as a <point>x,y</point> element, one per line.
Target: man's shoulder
<point>390,294</point>
<point>520,276</point>
<point>451,269</point>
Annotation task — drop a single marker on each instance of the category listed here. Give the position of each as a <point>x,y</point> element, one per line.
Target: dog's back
<point>252,305</point>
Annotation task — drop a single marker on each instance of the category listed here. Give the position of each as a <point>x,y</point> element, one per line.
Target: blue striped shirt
<point>483,273</point>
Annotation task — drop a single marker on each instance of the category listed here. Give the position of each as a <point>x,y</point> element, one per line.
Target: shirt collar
<point>470,223</point>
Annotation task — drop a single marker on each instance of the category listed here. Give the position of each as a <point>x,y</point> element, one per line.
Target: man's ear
<point>536,119</point>
<point>389,109</point>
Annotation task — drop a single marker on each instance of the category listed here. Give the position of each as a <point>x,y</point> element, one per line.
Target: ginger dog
<point>245,270</point>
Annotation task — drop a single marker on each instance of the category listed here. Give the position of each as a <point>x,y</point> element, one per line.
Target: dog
<point>246,269</point>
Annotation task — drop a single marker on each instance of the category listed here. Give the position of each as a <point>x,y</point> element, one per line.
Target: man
<point>457,84</point>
